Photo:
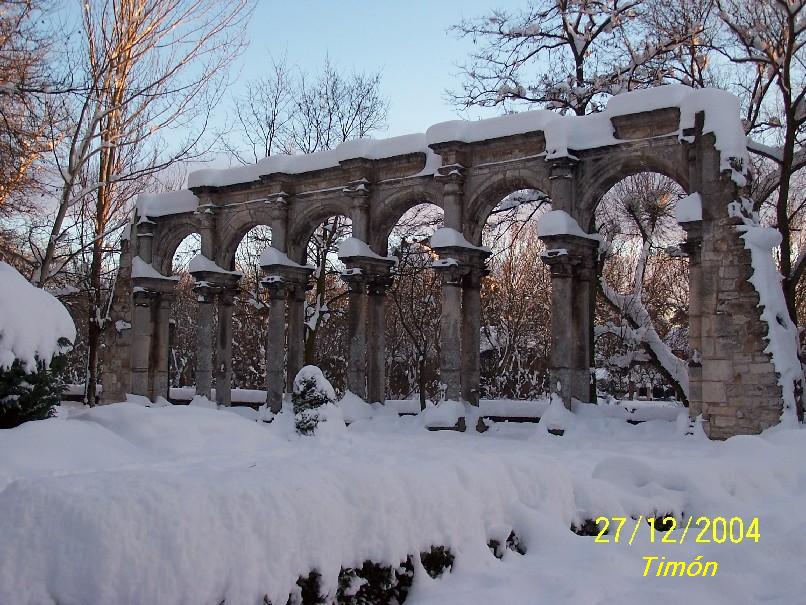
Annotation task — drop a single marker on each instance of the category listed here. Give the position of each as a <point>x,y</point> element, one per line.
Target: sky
<point>406,39</point>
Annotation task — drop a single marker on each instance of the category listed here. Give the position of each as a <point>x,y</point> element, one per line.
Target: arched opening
<point>641,322</point>
<point>183,330</point>
<point>249,316</point>
<point>515,340</point>
<point>326,307</point>
<point>413,307</point>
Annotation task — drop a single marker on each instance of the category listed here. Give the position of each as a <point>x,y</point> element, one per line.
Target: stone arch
<point>235,226</point>
<point>608,170</point>
<point>306,216</point>
<point>393,209</point>
<point>488,194</point>
<point>170,232</point>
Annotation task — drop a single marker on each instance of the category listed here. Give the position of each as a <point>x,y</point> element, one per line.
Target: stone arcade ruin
<point>465,168</point>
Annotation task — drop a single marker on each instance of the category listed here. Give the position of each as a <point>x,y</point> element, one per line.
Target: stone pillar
<point>275,345</point>
<point>296,332</point>
<point>279,221</point>
<point>562,324</point>
<point>144,231</point>
<point>376,338</point>
<point>450,322</point>
<point>204,338</point>
<point>583,383</point>
<point>693,247</point>
<point>357,334</point>
<point>161,349</point>
<point>207,214</point>
<point>223,381</point>
<point>471,335</point>
<point>142,330</point>
<point>452,176</point>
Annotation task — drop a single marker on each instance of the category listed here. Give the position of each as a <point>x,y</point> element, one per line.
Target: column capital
<point>378,284</point>
<point>228,295</point>
<point>277,204</point>
<point>563,167</point>
<point>143,297</point>
<point>450,173</point>
<point>206,292</point>
<point>358,190</point>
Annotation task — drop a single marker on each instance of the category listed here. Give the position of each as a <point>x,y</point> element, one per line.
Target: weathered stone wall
<point>737,390</point>
<point>116,357</point>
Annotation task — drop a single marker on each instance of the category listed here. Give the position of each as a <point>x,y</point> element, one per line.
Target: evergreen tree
<point>30,395</point>
<point>312,391</point>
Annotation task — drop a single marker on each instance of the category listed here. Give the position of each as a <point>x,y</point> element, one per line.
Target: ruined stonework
<point>466,169</point>
<point>116,361</point>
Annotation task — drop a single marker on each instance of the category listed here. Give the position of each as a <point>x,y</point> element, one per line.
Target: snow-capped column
<point>162,346</point>
<point>142,330</point>
<point>204,339</point>
<point>376,338</point>
<point>223,381</point>
<point>471,335</point>
<point>357,333</point>
<point>450,325</point>
<point>358,191</point>
<point>296,332</point>
<point>275,345</point>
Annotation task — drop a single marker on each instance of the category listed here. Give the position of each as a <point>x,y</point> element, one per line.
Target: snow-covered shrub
<point>312,392</point>
<point>30,394</point>
<point>35,332</point>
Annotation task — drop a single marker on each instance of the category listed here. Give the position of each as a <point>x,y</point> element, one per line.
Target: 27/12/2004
<point>703,530</point>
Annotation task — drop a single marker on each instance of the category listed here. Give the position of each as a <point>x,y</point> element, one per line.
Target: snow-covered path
<point>126,504</point>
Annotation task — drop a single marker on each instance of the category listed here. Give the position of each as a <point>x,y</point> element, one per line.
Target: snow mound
<point>169,202</point>
<point>136,505</point>
<point>559,222</point>
<point>31,321</point>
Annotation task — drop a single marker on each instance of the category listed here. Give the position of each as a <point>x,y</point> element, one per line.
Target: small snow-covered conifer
<point>312,391</point>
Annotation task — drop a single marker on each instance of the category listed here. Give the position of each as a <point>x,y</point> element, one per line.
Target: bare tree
<point>562,54</point>
<point>769,36</point>
<point>142,68</point>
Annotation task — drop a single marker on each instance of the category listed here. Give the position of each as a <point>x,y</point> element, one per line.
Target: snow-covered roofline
<point>563,134</point>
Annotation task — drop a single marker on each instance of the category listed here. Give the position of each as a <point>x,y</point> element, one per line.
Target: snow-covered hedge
<point>35,329</point>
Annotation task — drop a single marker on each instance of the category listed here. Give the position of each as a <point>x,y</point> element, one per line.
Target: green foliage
<point>30,395</point>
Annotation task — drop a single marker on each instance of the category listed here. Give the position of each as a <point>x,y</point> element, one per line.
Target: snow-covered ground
<point>184,504</point>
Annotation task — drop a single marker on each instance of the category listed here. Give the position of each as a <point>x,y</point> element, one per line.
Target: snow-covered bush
<point>35,332</point>
<point>312,391</point>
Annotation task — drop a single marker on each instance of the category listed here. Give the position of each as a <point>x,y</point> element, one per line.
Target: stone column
<point>376,338</point>
<point>562,323</point>
<point>279,221</point>
<point>145,239</point>
<point>223,381</point>
<point>204,338</point>
<point>161,350</point>
<point>296,332</point>
<point>693,247</point>
<point>357,334</point>
<point>449,333</point>
<point>275,344</point>
<point>471,335</point>
<point>207,214</point>
<point>583,384</point>
<point>142,330</point>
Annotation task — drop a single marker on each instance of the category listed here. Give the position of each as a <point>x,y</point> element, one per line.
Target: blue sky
<point>407,40</point>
